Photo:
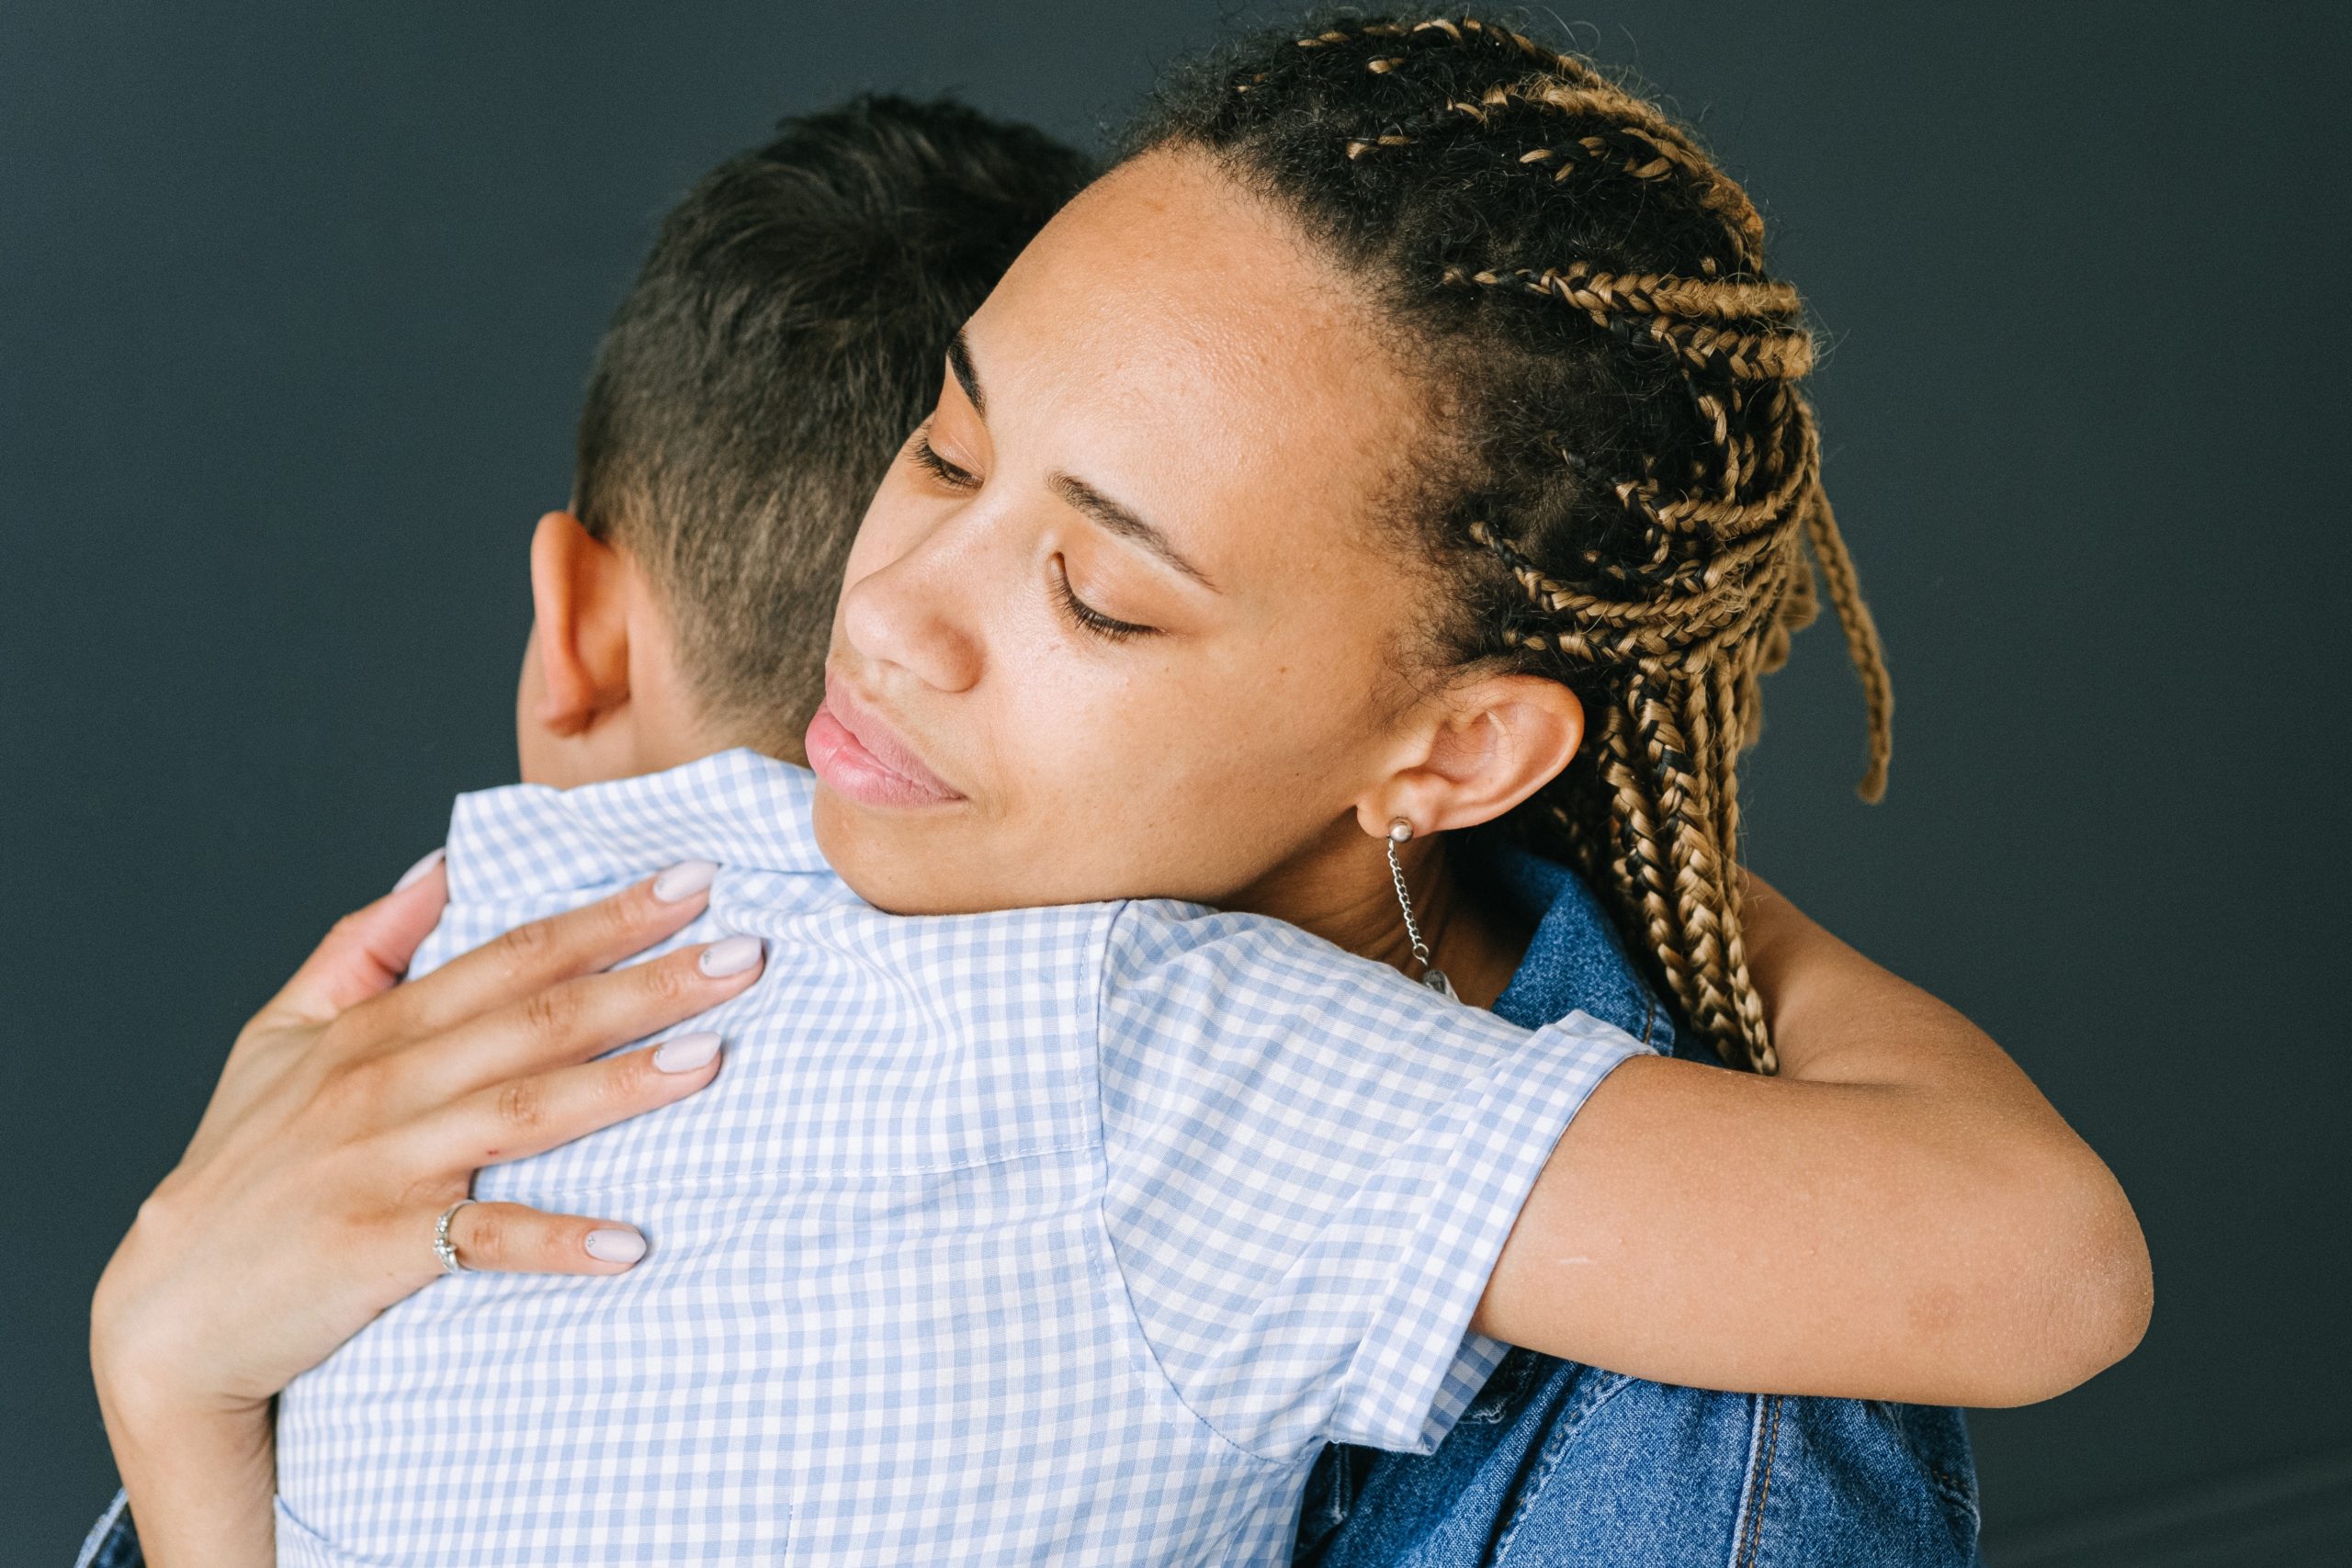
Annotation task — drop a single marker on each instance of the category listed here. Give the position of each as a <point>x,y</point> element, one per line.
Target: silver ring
<point>443,1247</point>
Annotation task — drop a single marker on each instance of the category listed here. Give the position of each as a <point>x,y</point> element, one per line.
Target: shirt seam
<point>1110,1247</point>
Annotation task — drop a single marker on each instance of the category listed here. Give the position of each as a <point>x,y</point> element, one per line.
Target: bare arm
<point>1899,1216</point>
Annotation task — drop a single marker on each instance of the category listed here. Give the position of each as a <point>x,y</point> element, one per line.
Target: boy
<point>1066,1234</point>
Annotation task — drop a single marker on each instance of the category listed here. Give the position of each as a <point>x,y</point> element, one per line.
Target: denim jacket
<point>1557,1464</point>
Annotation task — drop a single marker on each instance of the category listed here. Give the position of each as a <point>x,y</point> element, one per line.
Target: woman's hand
<point>351,1112</point>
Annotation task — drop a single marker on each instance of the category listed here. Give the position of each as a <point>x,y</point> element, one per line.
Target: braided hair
<point>1624,480</point>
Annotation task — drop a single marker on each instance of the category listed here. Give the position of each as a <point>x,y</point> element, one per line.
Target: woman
<point>1404,431</point>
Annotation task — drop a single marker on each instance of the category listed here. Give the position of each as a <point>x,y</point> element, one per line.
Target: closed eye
<point>1087,617</point>
<point>927,459</point>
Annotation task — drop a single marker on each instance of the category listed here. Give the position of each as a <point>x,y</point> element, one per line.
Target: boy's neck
<point>657,760</point>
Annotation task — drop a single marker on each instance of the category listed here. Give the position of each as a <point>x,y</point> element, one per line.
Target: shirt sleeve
<point>1311,1166</point>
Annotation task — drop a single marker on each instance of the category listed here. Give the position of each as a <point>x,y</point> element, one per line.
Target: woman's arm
<point>1899,1214</point>
<point>350,1113</point>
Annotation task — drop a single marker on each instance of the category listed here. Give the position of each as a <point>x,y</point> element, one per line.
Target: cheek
<point>1187,775</point>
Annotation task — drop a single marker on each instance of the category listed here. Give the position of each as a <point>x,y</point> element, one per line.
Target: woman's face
<point>1120,622</point>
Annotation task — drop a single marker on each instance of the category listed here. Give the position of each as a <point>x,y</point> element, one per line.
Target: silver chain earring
<point>1401,831</point>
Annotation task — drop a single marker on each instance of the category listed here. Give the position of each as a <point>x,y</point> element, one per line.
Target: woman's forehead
<point>1174,327</point>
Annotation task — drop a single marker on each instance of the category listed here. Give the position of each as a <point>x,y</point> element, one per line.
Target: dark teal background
<point>295,301</point>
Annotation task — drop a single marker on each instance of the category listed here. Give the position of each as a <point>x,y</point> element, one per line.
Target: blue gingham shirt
<point>1065,1234</point>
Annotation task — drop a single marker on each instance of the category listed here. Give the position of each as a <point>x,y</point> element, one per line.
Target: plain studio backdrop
<point>295,307</point>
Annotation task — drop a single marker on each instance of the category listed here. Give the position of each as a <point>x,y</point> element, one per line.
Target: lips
<point>862,760</point>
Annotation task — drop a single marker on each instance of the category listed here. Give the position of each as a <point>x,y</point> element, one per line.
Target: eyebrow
<point>1109,513</point>
<point>959,360</point>
<point>1118,520</point>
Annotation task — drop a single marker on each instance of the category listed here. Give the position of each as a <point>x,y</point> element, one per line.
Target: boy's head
<point>786,334</point>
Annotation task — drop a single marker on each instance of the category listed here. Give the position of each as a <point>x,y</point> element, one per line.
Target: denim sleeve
<point>1641,1472</point>
<point>113,1542</point>
<point>1562,1466</point>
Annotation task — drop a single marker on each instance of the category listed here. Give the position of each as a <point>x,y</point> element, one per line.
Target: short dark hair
<point>784,334</point>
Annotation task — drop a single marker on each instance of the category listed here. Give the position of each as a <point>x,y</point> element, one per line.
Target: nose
<point>916,612</point>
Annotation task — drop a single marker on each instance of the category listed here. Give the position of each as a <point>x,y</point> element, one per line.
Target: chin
<point>893,866</point>
<point>948,864</point>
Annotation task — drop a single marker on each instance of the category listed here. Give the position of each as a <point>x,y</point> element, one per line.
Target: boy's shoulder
<point>520,850</point>
<point>524,850</point>
<point>736,807</point>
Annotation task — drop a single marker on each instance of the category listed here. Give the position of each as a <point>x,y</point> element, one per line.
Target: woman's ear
<point>580,627</point>
<point>1495,741</point>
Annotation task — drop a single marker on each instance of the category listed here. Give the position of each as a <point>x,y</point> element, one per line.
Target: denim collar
<point>1575,961</point>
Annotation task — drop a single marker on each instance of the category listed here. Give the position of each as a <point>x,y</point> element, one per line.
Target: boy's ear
<point>580,627</point>
<point>1494,741</point>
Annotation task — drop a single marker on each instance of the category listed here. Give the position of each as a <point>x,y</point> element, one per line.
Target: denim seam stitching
<point>1958,1493</point>
<point>1754,1543</point>
<point>1959,1490</point>
<point>1555,1450</point>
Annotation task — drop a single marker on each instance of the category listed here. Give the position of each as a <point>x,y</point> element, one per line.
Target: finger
<point>572,1021</point>
<point>509,1238</point>
<point>528,1115</point>
<point>532,957</point>
<point>366,951</point>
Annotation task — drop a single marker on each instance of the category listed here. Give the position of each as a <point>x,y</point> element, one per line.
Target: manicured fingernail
<point>421,870</point>
<point>684,880</point>
<point>731,956</point>
<point>615,1246</point>
<point>685,1053</point>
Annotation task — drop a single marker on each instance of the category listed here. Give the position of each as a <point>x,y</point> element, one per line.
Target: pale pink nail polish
<point>732,956</point>
<point>421,870</point>
<point>615,1246</point>
<point>684,880</point>
<point>686,1051</point>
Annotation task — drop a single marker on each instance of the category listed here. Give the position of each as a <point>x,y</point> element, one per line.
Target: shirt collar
<point>737,807</point>
<point>742,809</point>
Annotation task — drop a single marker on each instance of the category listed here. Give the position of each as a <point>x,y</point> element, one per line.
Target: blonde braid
<point>1636,505</point>
<point>1698,651</point>
<point>1703,645</point>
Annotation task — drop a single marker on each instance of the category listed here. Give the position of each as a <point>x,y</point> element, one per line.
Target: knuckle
<point>548,1015</point>
<point>619,915</point>
<point>611,926</point>
<point>341,1035</point>
<point>423,1190</point>
<point>376,1181</point>
<point>521,1106</point>
<point>527,946</point>
<point>347,1089</point>
<point>488,1240</point>
<point>632,1080</point>
<point>670,982</point>
<point>386,1015</point>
